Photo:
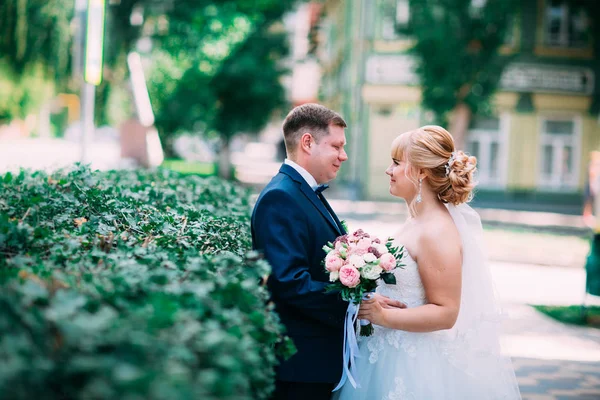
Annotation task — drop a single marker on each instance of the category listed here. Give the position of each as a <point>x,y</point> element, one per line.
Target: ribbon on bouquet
<point>351,345</point>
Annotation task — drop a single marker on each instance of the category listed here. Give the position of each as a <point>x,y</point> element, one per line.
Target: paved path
<point>396,208</point>
<point>49,154</point>
<point>553,361</point>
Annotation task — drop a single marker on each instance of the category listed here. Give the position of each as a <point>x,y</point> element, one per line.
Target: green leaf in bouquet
<point>345,225</point>
<point>389,278</point>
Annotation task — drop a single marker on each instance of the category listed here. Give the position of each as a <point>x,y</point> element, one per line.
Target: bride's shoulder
<point>439,230</point>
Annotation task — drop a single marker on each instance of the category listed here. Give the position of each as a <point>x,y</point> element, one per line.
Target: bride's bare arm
<point>440,263</point>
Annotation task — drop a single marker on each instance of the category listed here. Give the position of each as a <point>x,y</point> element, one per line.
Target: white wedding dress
<point>461,363</point>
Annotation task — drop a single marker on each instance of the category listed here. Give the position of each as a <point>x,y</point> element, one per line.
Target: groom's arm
<point>281,233</point>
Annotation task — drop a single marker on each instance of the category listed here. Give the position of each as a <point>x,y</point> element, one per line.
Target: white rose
<point>356,261</point>
<point>382,249</point>
<point>369,258</point>
<point>371,272</point>
<point>334,276</point>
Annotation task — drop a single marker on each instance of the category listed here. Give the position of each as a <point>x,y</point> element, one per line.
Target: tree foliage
<point>215,65</point>
<point>457,46</point>
<point>228,59</point>
<point>35,41</point>
<point>36,32</point>
<point>247,86</point>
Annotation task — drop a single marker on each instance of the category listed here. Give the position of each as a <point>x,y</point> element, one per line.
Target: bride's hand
<point>374,310</point>
<point>386,302</point>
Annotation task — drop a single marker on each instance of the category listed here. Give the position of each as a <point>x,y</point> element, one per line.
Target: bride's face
<point>400,183</point>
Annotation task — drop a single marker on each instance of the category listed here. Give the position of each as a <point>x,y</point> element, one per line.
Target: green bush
<point>574,315</point>
<point>131,285</point>
<point>191,167</point>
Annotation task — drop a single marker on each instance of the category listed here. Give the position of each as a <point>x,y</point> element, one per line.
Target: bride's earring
<point>419,198</point>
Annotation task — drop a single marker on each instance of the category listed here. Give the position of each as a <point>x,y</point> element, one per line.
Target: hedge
<point>131,285</point>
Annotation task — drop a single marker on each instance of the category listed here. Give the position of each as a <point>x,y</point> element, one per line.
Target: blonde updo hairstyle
<point>429,149</point>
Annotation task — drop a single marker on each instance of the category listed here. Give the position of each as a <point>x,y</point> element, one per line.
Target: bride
<point>445,344</point>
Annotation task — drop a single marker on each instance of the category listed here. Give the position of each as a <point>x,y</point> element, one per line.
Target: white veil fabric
<point>474,344</point>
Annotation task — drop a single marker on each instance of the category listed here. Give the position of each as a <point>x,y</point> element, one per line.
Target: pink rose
<point>387,261</point>
<point>339,245</point>
<point>354,250</point>
<point>338,242</point>
<point>374,251</point>
<point>333,261</point>
<point>349,276</point>
<point>359,252</point>
<point>364,244</point>
<point>353,237</point>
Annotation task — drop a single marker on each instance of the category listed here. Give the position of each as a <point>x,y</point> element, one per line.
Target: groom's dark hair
<point>312,118</point>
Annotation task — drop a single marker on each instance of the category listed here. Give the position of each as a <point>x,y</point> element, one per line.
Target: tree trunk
<point>225,160</point>
<point>459,125</point>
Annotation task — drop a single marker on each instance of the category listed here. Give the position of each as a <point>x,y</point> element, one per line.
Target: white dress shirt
<point>312,182</point>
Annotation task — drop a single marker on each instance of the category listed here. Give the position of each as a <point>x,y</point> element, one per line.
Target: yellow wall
<point>384,94</point>
<point>383,129</point>
<point>395,46</point>
<point>523,150</point>
<point>561,103</point>
<point>392,110</point>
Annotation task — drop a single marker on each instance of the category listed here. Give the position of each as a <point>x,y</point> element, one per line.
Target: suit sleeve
<point>281,233</point>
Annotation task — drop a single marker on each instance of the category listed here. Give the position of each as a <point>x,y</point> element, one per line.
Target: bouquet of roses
<point>355,262</point>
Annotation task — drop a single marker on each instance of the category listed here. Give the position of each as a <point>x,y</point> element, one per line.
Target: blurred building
<point>306,72</point>
<point>532,154</point>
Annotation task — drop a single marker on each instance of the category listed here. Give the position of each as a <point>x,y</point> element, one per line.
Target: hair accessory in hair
<point>450,162</point>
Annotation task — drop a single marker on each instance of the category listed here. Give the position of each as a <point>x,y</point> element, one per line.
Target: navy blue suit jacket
<point>290,226</point>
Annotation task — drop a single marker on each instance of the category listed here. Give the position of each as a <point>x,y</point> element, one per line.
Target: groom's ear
<point>306,141</point>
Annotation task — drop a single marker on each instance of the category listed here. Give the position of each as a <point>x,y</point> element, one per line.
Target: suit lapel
<point>335,217</point>
<point>312,196</point>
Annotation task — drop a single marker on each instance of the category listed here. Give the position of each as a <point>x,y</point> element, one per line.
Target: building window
<point>487,140</point>
<point>402,13</point>
<point>395,15</point>
<point>559,153</point>
<point>567,24</point>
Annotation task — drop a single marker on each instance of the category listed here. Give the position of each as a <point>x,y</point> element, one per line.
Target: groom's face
<point>328,155</point>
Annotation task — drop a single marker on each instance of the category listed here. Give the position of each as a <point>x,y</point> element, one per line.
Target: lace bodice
<point>408,288</point>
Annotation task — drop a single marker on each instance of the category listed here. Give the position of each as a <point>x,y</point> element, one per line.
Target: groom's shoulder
<point>281,186</point>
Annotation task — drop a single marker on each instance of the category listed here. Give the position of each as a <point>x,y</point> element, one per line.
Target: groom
<point>291,222</point>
